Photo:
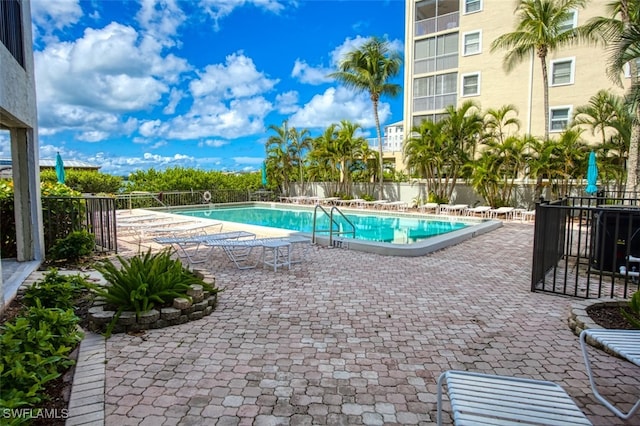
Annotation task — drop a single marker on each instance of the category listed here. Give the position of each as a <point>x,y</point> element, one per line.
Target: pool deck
<point>347,338</point>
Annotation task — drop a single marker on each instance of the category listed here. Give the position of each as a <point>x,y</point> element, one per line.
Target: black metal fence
<point>587,247</point>
<point>96,215</point>
<point>63,215</point>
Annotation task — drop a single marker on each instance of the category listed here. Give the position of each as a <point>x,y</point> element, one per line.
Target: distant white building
<point>392,139</point>
<point>392,144</point>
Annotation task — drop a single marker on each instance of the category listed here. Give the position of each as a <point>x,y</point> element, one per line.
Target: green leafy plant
<point>144,282</point>
<point>368,197</point>
<point>55,290</point>
<point>634,306</point>
<point>73,247</point>
<point>34,349</point>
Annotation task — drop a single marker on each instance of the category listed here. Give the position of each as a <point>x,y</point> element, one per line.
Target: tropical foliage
<point>35,346</point>
<point>85,181</point>
<point>186,179</point>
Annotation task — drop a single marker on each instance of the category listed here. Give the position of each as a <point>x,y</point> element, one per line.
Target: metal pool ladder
<point>332,222</point>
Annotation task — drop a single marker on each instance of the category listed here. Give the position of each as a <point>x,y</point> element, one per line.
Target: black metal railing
<point>587,247</point>
<point>96,215</point>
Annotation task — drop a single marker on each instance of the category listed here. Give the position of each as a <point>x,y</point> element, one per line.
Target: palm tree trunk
<point>379,133</point>
<point>545,92</point>
<point>633,163</point>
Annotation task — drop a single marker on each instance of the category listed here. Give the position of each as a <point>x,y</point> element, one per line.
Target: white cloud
<point>175,96</point>
<point>337,104</point>
<point>160,19</point>
<point>213,143</point>
<point>309,75</point>
<point>237,78</point>
<point>55,14</point>
<point>218,9</point>
<point>86,84</point>
<point>351,44</point>
<point>287,103</point>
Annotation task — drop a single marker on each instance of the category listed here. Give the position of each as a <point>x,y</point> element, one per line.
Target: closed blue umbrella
<point>592,175</point>
<point>264,173</point>
<point>59,169</point>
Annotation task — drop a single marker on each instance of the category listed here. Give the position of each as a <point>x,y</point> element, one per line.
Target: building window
<point>436,54</point>
<point>559,118</point>
<point>435,92</point>
<point>470,84</point>
<point>471,6</point>
<point>570,23</point>
<point>472,43</point>
<point>11,29</point>
<point>562,71</point>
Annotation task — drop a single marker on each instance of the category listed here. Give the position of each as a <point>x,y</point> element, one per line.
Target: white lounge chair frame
<point>486,399</point>
<point>623,343</point>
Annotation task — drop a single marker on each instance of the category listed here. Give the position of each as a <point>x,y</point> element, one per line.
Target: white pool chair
<point>486,399</point>
<point>624,344</point>
<point>478,211</point>
<point>183,244</point>
<point>429,208</point>
<point>502,212</point>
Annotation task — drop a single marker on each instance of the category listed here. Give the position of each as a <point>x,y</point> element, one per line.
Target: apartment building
<point>448,61</point>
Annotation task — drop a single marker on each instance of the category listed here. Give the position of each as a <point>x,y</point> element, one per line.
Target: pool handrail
<point>331,223</point>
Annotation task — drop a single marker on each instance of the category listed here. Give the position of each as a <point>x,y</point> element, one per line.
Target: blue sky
<point>158,83</point>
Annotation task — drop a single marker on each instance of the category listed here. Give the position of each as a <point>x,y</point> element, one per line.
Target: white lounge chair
<point>239,251</point>
<point>429,207</point>
<point>481,211</point>
<point>502,212</point>
<point>486,399</point>
<point>453,209</point>
<point>623,343</point>
<point>184,243</point>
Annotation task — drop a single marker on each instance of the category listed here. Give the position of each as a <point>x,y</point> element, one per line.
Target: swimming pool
<point>368,226</point>
<point>385,233</point>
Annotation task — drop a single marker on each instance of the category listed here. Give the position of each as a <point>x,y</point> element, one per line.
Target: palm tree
<point>463,127</point>
<point>279,161</point>
<point>539,30</point>
<point>498,121</point>
<point>369,69</point>
<point>300,141</point>
<point>323,159</point>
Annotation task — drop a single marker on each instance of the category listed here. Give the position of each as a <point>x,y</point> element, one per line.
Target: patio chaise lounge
<point>183,243</point>
<point>275,251</point>
<point>487,399</point>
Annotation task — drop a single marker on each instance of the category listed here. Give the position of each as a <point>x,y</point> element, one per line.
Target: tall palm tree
<point>300,142</point>
<point>539,30</point>
<point>347,144</point>
<point>498,121</point>
<point>369,69</point>
<point>324,159</point>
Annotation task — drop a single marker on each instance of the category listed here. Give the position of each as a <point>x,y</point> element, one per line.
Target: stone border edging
<point>580,320</point>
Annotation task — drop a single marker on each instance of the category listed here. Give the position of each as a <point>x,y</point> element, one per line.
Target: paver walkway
<point>350,338</point>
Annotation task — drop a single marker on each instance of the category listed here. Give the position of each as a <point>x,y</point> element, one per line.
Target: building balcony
<point>433,103</point>
<point>437,24</point>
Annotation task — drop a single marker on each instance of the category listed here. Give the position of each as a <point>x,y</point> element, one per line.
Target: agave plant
<point>144,282</point>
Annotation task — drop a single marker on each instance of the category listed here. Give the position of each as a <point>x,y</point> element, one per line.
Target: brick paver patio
<point>350,338</point>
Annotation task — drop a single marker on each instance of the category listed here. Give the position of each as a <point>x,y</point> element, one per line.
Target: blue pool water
<point>397,230</point>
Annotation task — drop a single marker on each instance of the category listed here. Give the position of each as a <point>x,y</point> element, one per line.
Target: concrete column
<point>26,180</point>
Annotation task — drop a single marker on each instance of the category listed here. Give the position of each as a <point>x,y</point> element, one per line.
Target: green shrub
<point>368,197</point>
<point>634,306</point>
<point>145,282</point>
<point>34,349</point>
<point>73,247</point>
<point>55,290</point>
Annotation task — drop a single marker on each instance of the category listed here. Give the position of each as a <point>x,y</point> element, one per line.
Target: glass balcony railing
<point>432,103</point>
